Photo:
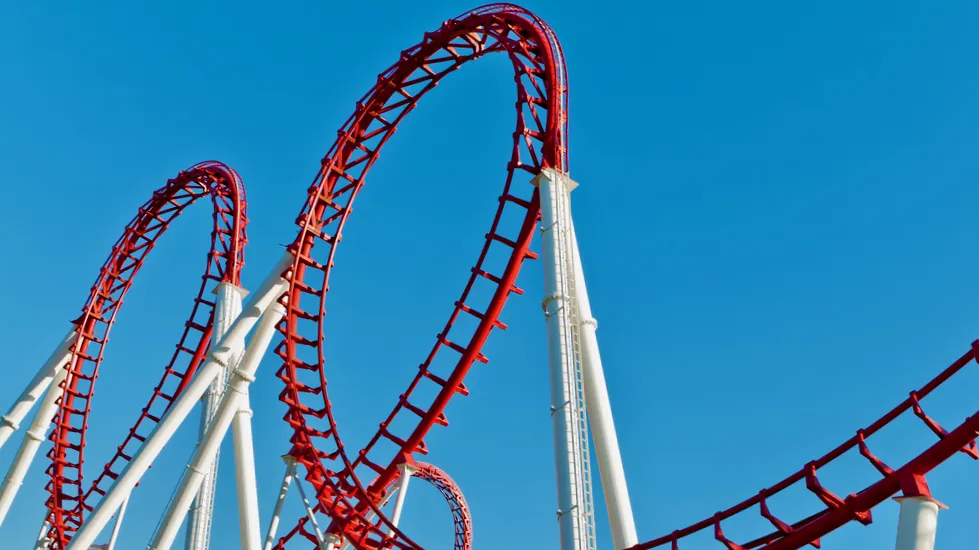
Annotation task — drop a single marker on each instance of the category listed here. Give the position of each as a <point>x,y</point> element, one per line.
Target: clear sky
<point>777,216</point>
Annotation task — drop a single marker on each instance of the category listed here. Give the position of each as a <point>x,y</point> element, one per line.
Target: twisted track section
<point>908,478</point>
<point>68,500</point>
<point>461,517</point>
<point>539,141</point>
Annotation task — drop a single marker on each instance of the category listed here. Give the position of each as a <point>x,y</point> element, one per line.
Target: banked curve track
<point>539,141</point>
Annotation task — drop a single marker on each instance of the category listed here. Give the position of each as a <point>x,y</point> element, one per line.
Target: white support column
<point>10,422</point>
<point>572,520</point>
<point>227,307</point>
<point>614,488</point>
<point>270,290</point>
<point>323,542</point>
<point>217,429</point>
<point>333,542</point>
<point>118,525</point>
<point>245,476</point>
<point>283,491</point>
<point>42,537</point>
<point>407,471</point>
<point>33,438</point>
<point>917,523</point>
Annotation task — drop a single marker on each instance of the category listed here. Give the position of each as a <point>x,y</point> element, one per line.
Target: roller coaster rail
<point>344,491</point>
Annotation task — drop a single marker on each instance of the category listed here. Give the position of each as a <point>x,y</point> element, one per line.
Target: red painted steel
<point>908,479</point>
<point>461,517</point>
<point>68,501</point>
<point>538,142</point>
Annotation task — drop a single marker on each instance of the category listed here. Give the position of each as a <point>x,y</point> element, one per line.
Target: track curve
<point>908,479</point>
<point>461,516</point>
<point>539,141</point>
<point>69,500</point>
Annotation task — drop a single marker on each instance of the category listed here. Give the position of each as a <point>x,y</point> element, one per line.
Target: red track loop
<point>461,517</point>
<point>539,141</point>
<point>838,511</point>
<point>68,501</point>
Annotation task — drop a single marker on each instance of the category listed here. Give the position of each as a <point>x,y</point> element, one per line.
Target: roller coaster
<point>347,493</point>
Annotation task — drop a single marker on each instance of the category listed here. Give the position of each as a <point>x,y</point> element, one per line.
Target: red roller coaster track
<point>539,141</point>
<point>542,121</point>
<point>461,518</point>
<point>68,501</point>
<point>225,260</point>
<point>908,478</point>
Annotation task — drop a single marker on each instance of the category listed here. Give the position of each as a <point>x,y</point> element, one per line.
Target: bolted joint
<point>554,177</point>
<point>243,376</point>
<point>241,291</point>
<point>6,421</point>
<point>10,481</point>
<point>219,360</point>
<point>406,468</point>
<point>914,485</point>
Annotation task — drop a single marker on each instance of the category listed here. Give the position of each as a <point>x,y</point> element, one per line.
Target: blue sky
<point>776,214</point>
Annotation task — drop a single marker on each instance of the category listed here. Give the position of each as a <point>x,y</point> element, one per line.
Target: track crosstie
<point>539,141</point>
<point>351,486</point>
<point>69,499</point>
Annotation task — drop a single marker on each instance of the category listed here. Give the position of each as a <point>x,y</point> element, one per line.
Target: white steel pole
<point>270,290</point>
<point>571,518</point>
<point>322,542</point>
<point>10,422</point>
<point>283,491</point>
<point>42,537</point>
<point>245,476</point>
<point>621,519</point>
<point>917,523</point>
<point>33,438</point>
<point>118,525</point>
<point>406,472</point>
<point>217,429</point>
<point>227,307</point>
<point>332,541</point>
